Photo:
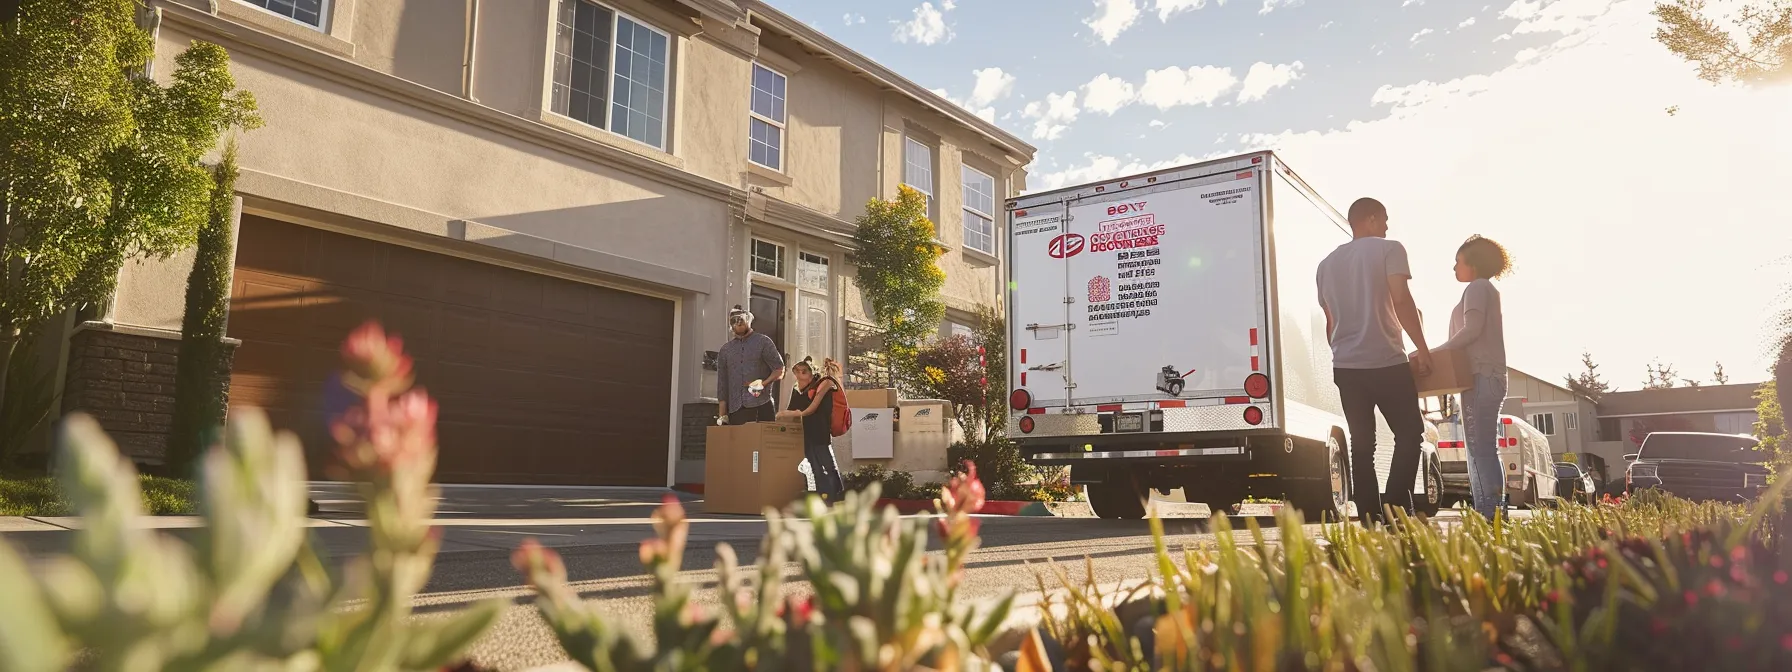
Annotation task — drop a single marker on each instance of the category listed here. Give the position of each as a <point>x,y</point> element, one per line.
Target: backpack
<point>841,422</point>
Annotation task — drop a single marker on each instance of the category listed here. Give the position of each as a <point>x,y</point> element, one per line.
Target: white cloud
<point>1466,22</point>
<point>1112,17</point>
<point>1555,16</point>
<point>1169,8</point>
<point>1422,33</point>
<point>1526,55</point>
<point>1053,115</point>
<point>1503,38</point>
<point>927,28</point>
<point>1263,78</point>
<point>1409,3</point>
<point>1271,5</point>
<point>1107,94</point>
<point>986,113</point>
<point>1158,123</point>
<point>992,85</point>
<point>1602,230</point>
<point>1103,167</point>
<point>1196,85</point>
<point>851,18</point>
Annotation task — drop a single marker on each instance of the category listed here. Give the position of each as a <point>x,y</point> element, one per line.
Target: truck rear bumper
<point>1064,457</point>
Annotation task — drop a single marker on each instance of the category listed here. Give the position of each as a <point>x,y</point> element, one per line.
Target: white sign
<point>871,433</point>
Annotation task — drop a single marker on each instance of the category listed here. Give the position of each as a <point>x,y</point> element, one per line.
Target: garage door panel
<point>539,379</point>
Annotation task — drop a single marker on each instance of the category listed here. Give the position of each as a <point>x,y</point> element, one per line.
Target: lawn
<point>42,496</point>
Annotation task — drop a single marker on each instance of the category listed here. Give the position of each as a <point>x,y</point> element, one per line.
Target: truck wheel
<point>1329,500</point>
<point>1119,496</point>
<point>1176,389</point>
<point>1432,499</point>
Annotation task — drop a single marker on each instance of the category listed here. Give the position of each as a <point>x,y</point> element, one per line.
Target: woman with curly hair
<point>1478,331</point>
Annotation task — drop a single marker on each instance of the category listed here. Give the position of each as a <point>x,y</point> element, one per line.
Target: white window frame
<point>784,265</point>
<point>1537,422</point>
<point>781,125</point>
<point>616,17</point>
<point>1571,420</point>
<point>323,14</point>
<point>826,262</point>
<point>990,217</point>
<point>910,144</point>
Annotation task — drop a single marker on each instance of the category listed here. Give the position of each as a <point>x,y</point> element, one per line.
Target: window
<point>1545,423</point>
<point>1571,420</point>
<point>917,170</point>
<point>610,72</point>
<point>954,330</point>
<point>767,258</point>
<point>308,12</point>
<point>765,134</point>
<point>979,209</point>
<point>812,272</point>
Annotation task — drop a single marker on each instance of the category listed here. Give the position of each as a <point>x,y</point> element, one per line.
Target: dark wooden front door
<point>539,379</point>
<point>768,318</point>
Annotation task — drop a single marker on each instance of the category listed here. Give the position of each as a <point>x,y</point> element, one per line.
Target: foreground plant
<point>251,593</point>
<point>880,601</point>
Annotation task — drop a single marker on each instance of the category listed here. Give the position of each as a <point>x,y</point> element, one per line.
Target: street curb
<point>910,507</point>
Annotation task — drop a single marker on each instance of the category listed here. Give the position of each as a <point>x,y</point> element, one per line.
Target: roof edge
<point>802,32</point>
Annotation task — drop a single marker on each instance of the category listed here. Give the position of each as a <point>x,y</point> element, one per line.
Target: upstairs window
<point>917,171</point>
<point>979,209</point>
<point>610,72</point>
<point>765,134</point>
<point>308,12</point>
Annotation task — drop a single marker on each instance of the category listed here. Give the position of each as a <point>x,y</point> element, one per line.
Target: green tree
<point>1661,376</point>
<point>1770,423</point>
<point>898,271</point>
<point>1719,376</point>
<point>1588,384</point>
<point>1763,55</point>
<point>99,163</point>
<point>202,376</point>
<point>991,334</point>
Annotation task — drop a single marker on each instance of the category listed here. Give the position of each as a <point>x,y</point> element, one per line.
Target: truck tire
<point>1329,500</point>
<point>1119,496</point>
<point>1432,499</point>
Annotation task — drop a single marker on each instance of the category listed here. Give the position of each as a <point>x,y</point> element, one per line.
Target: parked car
<point>1574,484</point>
<point>1530,473</point>
<point>1699,466</point>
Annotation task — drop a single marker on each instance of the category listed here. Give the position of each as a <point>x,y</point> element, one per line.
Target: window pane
<point>918,167</point>
<point>812,272</point>
<point>581,61</point>
<point>640,112</point>
<point>768,93</point>
<point>768,258</point>
<point>979,232</point>
<point>308,12</point>
<point>979,191</point>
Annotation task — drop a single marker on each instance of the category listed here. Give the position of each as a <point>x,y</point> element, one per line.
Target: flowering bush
<point>251,592</point>
<point>880,601</point>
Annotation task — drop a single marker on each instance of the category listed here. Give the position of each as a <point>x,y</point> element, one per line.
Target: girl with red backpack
<point>817,401</point>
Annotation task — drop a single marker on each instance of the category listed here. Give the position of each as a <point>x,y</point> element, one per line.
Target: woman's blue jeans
<point>1481,425</point>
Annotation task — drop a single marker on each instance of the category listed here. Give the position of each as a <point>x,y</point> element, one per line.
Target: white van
<point>1530,474</point>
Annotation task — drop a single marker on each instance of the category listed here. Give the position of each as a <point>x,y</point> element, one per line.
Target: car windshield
<point>1714,447</point>
<point>1567,471</point>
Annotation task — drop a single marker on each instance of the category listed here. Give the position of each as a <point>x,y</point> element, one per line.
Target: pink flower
<point>653,551</point>
<point>373,355</point>
<point>532,555</point>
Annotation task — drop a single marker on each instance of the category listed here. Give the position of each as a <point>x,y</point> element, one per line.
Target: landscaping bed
<point>25,495</point>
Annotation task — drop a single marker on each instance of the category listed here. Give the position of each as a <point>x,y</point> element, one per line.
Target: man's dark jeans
<point>766,412</point>
<point>1393,391</point>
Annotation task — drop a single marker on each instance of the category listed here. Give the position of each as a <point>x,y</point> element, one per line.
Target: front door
<point>767,306</point>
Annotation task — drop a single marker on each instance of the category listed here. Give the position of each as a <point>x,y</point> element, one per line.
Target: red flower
<point>1779,577</point>
<point>532,555</point>
<point>1692,599</point>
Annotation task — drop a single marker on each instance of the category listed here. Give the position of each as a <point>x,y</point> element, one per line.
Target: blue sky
<point>1639,233</point>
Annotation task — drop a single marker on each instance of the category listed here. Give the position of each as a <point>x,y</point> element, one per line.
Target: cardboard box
<point>1449,374</point>
<point>921,418</point>
<point>872,433</point>
<point>884,398</point>
<point>753,466</point>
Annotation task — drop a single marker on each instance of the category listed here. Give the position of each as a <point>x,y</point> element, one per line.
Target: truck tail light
<point>1020,399</point>
<point>1253,416</point>
<point>1026,425</point>
<point>1257,385</point>
<point>1505,421</point>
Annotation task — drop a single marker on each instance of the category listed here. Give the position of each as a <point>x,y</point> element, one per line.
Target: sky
<point>1647,210</point>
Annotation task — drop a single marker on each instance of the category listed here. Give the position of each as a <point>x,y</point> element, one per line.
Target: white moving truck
<point>1165,332</point>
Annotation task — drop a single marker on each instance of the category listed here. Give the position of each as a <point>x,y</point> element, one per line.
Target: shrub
<point>893,484</point>
<point>880,602</point>
<point>250,592</point>
<point>1007,474</point>
<point>202,376</point>
<point>951,369</point>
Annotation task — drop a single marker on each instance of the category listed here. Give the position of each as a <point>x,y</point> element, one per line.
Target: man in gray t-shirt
<point>1363,289</point>
<point>749,356</point>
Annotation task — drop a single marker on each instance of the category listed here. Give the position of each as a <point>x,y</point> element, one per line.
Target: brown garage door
<point>540,380</point>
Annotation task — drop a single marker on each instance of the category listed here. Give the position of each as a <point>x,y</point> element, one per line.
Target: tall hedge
<point>202,379</point>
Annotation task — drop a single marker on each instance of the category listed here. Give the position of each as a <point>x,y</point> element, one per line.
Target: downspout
<point>469,50</point>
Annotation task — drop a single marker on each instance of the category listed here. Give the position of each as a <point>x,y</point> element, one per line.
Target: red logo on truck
<point>1124,208</point>
<point>1065,246</point>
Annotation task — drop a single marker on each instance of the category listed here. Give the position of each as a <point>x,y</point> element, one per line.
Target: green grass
<point>41,496</point>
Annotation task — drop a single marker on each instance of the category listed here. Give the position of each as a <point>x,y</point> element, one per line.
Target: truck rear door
<point>1039,335</point>
<point>1167,294</point>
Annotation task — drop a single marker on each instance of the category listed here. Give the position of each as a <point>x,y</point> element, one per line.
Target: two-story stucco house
<point>555,203</point>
